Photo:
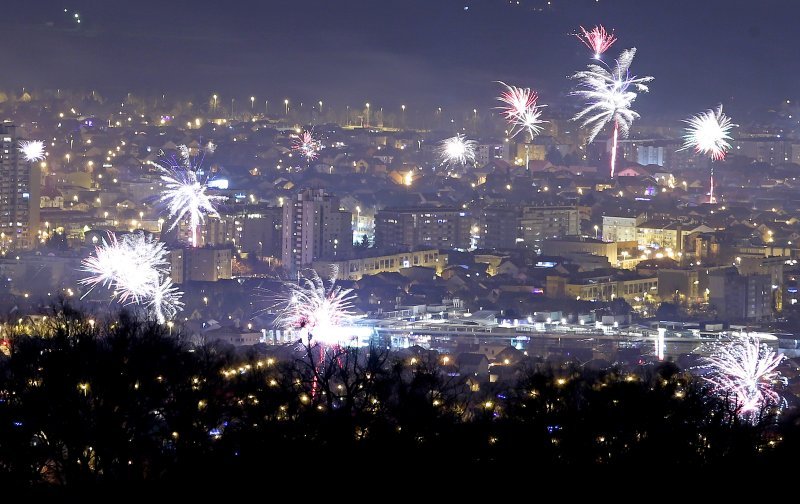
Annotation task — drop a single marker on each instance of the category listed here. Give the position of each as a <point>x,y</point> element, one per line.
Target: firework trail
<point>609,95</point>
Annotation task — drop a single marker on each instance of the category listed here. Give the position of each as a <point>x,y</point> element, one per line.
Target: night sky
<point>418,52</point>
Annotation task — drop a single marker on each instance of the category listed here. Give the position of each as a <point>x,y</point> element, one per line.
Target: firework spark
<point>307,146</point>
<point>457,150</point>
<point>609,96</point>
<point>744,371</point>
<point>32,150</point>
<point>185,194</point>
<point>597,39</point>
<point>318,310</point>
<point>136,270</point>
<point>708,133</point>
<point>521,110</point>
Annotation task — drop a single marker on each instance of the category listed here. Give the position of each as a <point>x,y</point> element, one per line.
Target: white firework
<point>185,194</point>
<point>744,371</point>
<point>165,300</point>
<point>457,150</point>
<point>521,110</point>
<point>708,133</point>
<point>609,95</point>
<point>317,310</point>
<point>32,150</point>
<point>136,269</point>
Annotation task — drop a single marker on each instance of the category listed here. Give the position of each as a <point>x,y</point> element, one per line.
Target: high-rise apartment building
<point>19,193</point>
<point>315,228</point>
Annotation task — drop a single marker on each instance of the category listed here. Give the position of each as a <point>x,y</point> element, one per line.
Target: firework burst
<point>307,146</point>
<point>457,150</point>
<point>135,268</point>
<point>708,133</point>
<point>32,150</point>
<point>745,372</point>
<point>521,110</point>
<point>318,310</point>
<point>165,300</point>
<point>597,39</point>
<point>609,95</point>
<point>184,193</point>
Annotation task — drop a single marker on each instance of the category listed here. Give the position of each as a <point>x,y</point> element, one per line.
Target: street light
<point>320,107</point>
<point>252,102</point>
<point>215,102</point>
<point>367,114</point>
<point>596,229</point>
<point>403,108</point>
<point>286,103</point>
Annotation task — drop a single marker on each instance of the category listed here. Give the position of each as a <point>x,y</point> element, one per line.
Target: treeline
<point>125,402</point>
